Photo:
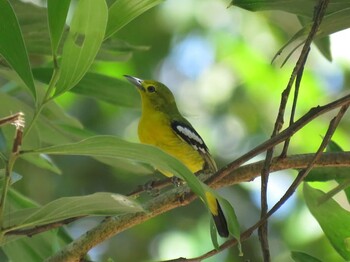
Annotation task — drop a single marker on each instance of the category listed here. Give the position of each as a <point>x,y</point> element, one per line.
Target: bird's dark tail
<point>218,215</point>
<point>220,221</point>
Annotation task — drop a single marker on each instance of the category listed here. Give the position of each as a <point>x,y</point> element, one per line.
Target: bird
<point>162,125</point>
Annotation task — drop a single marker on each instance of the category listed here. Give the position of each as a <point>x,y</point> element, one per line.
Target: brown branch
<point>169,200</point>
<point>228,175</point>
<point>294,105</point>
<point>301,176</point>
<point>231,174</point>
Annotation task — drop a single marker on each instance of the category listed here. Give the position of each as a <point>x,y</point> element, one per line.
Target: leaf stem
<point>47,98</point>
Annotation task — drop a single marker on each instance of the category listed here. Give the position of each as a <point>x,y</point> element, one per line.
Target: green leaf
<point>298,7</point>
<point>105,88</point>
<point>57,11</point>
<point>330,24</point>
<point>12,46</point>
<point>335,19</point>
<point>323,44</point>
<point>34,26</point>
<point>232,221</point>
<point>118,50</point>
<point>100,204</point>
<point>113,147</point>
<point>84,40</point>
<point>36,33</point>
<point>42,161</point>
<point>328,173</point>
<point>344,180</point>
<point>214,234</point>
<point>124,11</point>
<point>333,219</point>
<point>52,126</point>
<point>303,257</point>
<point>37,247</point>
<point>333,147</point>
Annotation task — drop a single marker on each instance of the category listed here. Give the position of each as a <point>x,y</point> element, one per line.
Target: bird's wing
<point>188,134</point>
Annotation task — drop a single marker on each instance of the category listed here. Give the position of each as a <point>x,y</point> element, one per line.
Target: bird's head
<point>154,94</point>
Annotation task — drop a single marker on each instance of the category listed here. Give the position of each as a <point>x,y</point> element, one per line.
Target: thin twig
<point>282,136</point>
<point>319,14</point>
<point>294,106</point>
<point>301,176</point>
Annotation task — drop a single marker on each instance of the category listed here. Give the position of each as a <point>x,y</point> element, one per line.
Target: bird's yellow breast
<point>156,130</point>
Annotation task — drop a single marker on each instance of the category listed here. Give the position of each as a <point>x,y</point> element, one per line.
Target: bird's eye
<point>151,89</point>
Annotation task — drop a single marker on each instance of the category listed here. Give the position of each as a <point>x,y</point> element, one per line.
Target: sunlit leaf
<point>36,33</point>
<point>12,46</point>
<point>303,257</point>
<point>57,13</point>
<point>82,43</point>
<point>333,219</point>
<point>98,204</point>
<point>124,11</point>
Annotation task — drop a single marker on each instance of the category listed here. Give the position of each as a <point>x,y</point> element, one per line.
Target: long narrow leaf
<point>57,11</point>
<point>83,42</point>
<point>35,248</point>
<point>124,11</point>
<point>12,46</point>
<point>67,207</point>
<point>113,147</point>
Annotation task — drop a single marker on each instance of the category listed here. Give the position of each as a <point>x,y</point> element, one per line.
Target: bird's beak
<point>135,81</point>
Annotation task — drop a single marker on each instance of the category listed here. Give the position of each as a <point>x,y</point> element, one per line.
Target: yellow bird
<point>162,125</point>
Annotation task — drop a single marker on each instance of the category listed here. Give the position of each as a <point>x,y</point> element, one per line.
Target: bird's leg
<point>177,181</point>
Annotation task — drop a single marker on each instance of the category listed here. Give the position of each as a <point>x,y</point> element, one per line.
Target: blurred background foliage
<point>217,62</point>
